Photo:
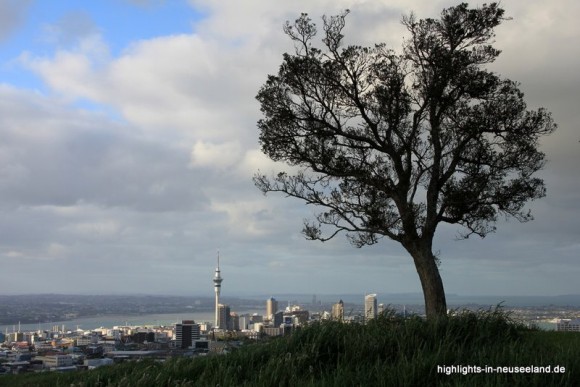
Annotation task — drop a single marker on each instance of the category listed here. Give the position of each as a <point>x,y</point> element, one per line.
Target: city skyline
<point>128,144</point>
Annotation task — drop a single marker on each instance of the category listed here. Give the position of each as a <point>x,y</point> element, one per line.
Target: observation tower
<point>217,285</point>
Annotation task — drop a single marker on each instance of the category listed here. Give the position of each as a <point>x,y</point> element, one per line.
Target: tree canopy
<point>391,144</point>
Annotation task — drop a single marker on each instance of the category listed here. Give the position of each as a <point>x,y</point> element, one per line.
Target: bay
<point>109,321</point>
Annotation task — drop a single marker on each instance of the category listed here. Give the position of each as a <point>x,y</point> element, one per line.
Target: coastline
<point>109,321</point>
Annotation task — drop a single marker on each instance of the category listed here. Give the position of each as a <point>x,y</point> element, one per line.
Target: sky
<point>128,142</point>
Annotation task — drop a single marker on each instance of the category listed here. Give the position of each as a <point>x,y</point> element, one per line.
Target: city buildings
<point>57,348</point>
<point>277,319</point>
<point>370,306</point>
<point>381,308</point>
<point>56,361</point>
<point>186,333</point>
<point>337,311</point>
<point>223,317</point>
<point>271,308</point>
<point>297,315</point>
<point>244,321</point>
<point>234,322</point>
<point>568,325</point>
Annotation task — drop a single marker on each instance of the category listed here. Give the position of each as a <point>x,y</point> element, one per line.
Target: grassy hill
<point>389,351</point>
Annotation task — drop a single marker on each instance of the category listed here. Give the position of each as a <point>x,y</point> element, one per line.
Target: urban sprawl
<point>59,349</point>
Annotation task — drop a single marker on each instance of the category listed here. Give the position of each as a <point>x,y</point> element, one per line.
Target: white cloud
<point>53,156</point>
<point>171,181</point>
<point>243,217</point>
<point>14,254</point>
<point>223,155</point>
<point>254,160</point>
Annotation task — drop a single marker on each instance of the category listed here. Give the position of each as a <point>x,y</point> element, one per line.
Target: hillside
<point>390,351</point>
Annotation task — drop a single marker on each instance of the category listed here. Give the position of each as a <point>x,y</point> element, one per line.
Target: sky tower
<point>217,284</point>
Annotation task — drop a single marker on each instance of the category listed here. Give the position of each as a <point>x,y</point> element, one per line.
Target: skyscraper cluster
<point>225,320</point>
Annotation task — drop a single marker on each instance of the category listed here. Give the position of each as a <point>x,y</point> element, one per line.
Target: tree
<point>393,144</point>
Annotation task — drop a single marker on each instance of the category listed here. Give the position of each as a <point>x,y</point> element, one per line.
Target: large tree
<point>392,144</point>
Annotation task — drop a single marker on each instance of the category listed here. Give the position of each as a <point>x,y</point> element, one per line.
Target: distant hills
<point>177,301</point>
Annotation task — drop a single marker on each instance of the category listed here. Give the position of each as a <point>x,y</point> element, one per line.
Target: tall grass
<point>388,351</point>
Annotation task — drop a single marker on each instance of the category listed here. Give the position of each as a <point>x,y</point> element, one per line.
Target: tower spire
<point>217,284</point>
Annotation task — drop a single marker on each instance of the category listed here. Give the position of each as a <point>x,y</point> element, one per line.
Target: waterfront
<point>545,325</point>
<point>88,323</point>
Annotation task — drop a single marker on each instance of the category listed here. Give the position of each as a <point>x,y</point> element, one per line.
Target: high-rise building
<point>255,318</point>
<point>338,311</point>
<point>217,284</point>
<point>370,306</point>
<point>223,317</point>
<point>186,333</point>
<point>381,309</point>
<point>244,321</point>
<point>234,322</point>
<point>299,316</point>
<point>271,308</point>
<point>278,319</point>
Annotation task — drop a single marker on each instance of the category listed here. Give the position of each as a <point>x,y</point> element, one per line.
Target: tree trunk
<point>433,292</point>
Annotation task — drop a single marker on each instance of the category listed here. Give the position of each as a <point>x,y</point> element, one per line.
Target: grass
<point>388,351</point>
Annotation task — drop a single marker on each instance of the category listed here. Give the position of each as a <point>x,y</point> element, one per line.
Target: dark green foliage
<point>392,144</point>
<point>388,351</point>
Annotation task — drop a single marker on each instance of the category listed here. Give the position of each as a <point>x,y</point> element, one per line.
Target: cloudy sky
<point>128,142</point>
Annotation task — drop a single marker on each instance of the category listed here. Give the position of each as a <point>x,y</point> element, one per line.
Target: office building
<point>271,308</point>
<point>186,333</point>
<point>370,306</point>
<point>56,361</point>
<point>256,318</point>
<point>381,309</point>
<point>568,325</point>
<point>338,311</point>
<point>234,322</point>
<point>244,321</point>
<point>278,318</point>
<point>299,316</point>
<point>223,317</point>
